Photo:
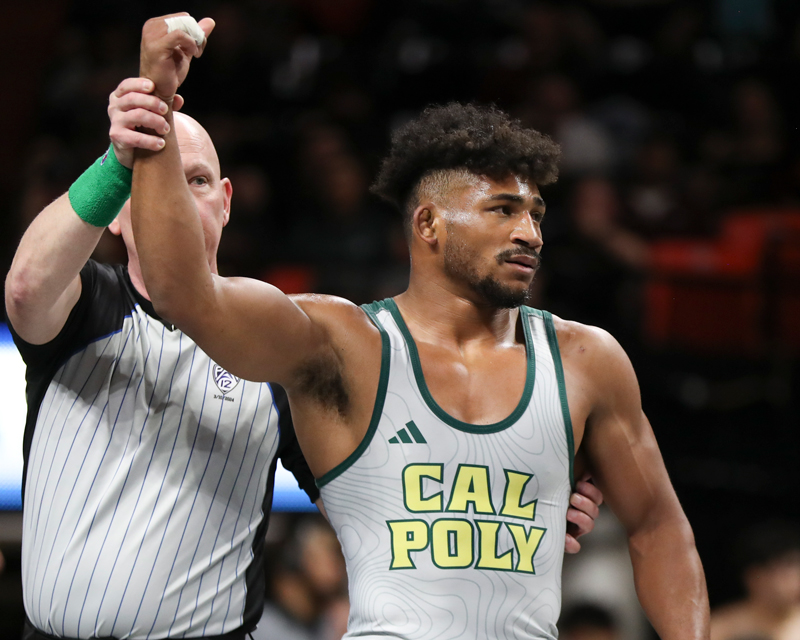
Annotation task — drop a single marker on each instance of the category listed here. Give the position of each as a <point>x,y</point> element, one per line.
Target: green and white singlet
<point>453,530</point>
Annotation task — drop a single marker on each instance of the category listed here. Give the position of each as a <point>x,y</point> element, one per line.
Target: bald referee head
<point>211,192</point>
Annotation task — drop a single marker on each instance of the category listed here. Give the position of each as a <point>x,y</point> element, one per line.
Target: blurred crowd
<point>307,584</point>
<point>306,581</point>
<point>675,223</point>
<point>599,598</point>
<point>671,116</point>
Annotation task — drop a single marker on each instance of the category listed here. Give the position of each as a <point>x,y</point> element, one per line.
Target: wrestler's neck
<point>438,310</point>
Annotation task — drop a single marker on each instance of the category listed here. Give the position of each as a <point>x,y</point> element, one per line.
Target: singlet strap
<point>371,310</point>
<point>552,339</point>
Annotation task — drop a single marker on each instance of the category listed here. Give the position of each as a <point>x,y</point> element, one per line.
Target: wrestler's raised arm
<point>249,327</point>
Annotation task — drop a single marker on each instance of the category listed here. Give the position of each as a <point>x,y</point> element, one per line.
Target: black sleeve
<point>99,311</point>
<point>289,452</point>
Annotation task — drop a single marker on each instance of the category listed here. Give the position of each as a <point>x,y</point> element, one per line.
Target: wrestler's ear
<point>427,223</point>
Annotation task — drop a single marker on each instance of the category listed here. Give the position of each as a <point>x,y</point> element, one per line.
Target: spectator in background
<point>596,215</point>
<point>597,264</point>
<point>249,234</point>
<point>554,106</point>
<point>653,194</point>
<point>588,622</point>
<point>308,587</point>
<point>346,233</point>
<point>750,148</point>
<point>769,558</point>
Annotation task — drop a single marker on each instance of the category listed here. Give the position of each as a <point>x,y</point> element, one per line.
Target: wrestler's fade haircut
<point>455,141</point>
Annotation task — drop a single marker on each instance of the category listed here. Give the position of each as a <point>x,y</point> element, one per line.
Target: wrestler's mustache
<point>510,254</point>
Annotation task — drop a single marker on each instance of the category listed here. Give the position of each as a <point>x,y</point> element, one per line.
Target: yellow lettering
<point>407,536</point>
<point>488,548</point>
<point>412,487</point>
<point>451,543</point>
<point>512,504</point>
<point>527,544</point>
<point>471,485</point>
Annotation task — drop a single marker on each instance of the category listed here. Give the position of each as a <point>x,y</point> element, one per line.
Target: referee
<point>148,468</point>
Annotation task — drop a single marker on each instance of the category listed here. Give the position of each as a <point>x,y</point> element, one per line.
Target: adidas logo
<point>403,435</point>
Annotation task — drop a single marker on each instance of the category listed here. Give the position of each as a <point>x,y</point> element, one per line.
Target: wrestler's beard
<point>459,263</point>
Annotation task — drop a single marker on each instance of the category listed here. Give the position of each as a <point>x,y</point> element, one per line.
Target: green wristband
<point>102,190</point>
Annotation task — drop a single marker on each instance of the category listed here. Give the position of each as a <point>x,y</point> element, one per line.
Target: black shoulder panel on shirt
<point>104,302</point>
<point>289,452</point>
<point>293,460</point>
<point>106,298</point>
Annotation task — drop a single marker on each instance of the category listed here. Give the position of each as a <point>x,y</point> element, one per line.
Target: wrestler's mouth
<point>521,260</point>
<point>525,262</point>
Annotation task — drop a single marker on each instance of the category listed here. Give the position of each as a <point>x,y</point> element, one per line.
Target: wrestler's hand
<point>583,509</point>
<point>165,55</point>
<point>131,105</point>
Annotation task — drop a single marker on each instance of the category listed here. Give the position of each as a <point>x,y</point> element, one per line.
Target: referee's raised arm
<point>43,284</point>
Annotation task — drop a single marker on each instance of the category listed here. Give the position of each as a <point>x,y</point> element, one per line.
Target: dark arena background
<point>675,223</point>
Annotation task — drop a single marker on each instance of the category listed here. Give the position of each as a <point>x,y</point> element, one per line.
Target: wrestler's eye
<point>504,209</point>
<point>199,180</point>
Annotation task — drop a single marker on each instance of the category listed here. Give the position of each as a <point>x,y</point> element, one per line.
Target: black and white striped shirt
<point>148,476</point>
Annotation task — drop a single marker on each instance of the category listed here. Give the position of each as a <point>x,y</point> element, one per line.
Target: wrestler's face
<point>211,193</point>
<point>493,238</point>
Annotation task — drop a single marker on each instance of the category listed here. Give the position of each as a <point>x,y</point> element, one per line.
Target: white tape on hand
<point>188,25</point>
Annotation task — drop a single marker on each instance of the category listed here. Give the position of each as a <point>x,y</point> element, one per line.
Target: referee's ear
<point>227,193</point>
<point>116,224</point>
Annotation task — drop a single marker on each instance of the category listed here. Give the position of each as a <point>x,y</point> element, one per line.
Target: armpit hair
<point>321,380</point>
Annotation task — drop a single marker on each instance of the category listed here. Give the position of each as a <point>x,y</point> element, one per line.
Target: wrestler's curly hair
<point>481,139</point>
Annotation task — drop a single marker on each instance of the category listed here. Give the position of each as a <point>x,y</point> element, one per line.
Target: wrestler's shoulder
<point>586,346</point>
<point>338,314</point>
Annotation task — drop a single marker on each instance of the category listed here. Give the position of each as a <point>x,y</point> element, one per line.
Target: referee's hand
<point>137,118</point>
<point>584,506</point>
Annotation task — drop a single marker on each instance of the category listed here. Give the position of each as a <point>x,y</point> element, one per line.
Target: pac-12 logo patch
<point>225,381</point>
